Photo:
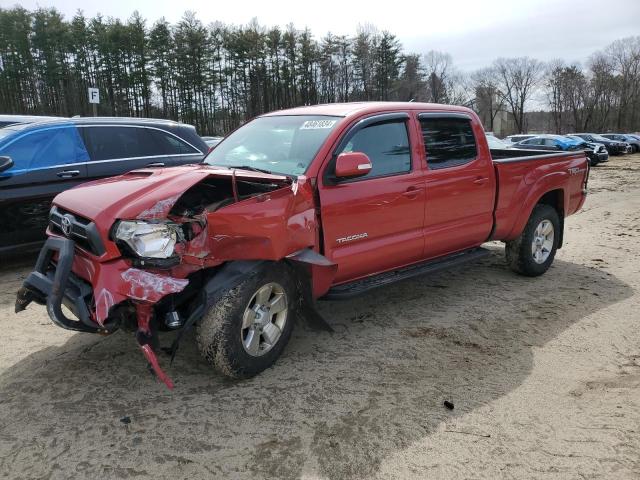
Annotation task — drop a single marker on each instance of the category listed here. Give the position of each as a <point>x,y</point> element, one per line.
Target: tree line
<point>217,76</point>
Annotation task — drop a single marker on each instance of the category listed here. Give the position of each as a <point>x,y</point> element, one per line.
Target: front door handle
<point>412,192</point>
<point>155,164</point>
<point>481,180</point>
<point>68,173</point>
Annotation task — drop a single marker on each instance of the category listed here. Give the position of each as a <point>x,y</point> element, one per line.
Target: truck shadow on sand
<point>335,405</point>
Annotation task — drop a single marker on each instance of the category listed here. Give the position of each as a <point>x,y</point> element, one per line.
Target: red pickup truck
<point>314,202</point>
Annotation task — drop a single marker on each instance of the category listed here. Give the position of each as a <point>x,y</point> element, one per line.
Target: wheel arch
<point>556,200</point>
<point>554,197</point>
<point>312,274</point>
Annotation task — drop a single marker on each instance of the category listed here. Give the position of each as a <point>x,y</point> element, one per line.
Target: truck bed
<point>515,155</point>
<point>520,174</point>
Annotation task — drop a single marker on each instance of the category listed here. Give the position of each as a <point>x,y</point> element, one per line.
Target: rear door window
<point>159,142</point>
<point>114,142</point>
<point>448,141</point>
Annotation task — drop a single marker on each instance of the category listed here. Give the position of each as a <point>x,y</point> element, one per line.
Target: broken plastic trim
<point>144,336</point>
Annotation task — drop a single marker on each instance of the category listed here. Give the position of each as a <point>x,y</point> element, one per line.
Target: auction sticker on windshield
<point>316,124</point>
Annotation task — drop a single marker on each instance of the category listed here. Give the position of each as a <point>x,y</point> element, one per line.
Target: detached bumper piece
<point>55,285</point>
<point>145,338</point>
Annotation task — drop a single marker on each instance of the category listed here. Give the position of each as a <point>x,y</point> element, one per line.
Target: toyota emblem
<point>65,224</point>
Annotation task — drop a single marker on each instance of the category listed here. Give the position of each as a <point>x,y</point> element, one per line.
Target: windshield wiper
<point>291,177</point>
<point>247,167</point>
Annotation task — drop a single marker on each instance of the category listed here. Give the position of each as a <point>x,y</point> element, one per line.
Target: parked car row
<point>596,147</point>
<point>596,153</point>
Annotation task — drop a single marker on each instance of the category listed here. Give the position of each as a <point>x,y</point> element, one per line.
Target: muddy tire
<point>248,328</point>
<point>532,253</point>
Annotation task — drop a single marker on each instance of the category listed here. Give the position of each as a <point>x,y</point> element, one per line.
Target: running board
<point>352,289</point>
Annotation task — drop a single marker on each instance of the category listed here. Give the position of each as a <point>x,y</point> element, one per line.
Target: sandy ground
<point>544,374</point>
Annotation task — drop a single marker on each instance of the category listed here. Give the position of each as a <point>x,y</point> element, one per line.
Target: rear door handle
<point>412,192</point>
<point>155,164</point>
<point>481,180</point>
<point>68,173</point>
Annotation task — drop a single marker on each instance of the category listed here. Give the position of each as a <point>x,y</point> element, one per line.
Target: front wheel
<point>532,253</point>
<point>247,329</point>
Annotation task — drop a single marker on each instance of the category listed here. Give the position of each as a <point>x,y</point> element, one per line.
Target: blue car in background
<point>562,143</point>
<point>39,160</point>
<point>6,120</point>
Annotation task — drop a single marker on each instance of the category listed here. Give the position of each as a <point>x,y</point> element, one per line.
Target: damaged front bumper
<point>59,286</point>
<point>55,282</point>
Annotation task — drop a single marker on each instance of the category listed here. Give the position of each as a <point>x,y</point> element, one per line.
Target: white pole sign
<point>94,95</point>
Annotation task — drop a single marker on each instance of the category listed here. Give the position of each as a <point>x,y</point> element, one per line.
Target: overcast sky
<point>474,32</point>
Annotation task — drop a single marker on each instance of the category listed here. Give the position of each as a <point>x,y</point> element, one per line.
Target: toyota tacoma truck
<point>319,202</point>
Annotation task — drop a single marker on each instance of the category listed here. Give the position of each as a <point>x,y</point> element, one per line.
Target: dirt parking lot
<point>544,374</point>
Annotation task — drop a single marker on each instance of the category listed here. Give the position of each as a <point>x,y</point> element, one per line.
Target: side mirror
<point>5,163</point>
<point>352,164</point>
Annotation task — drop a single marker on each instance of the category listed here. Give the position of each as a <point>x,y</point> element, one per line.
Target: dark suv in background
<point>613,146</point>
<point>621,137</point>
<point>39,160</point>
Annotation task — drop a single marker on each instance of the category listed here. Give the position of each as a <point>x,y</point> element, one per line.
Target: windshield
<point>6,131</point>
<point>600,138</point>
<point>283,144</point>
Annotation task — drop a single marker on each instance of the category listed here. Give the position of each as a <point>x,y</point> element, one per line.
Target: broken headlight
<point>149,240</point>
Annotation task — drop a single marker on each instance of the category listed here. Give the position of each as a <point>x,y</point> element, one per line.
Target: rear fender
<point>542,192</point>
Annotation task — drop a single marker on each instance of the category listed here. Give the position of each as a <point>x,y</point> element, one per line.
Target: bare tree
<point>488,101</point>
<point>516,80</point>
<point>443,82</point>
<point>411,85</point>
<point>437,68</point>
<point>576,96</point>
<point>601,96</point>
<point>624,58</point>
<point>459,89</point>
<point>554,93</point>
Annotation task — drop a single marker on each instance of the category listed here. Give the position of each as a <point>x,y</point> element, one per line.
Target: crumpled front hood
<point>146,193</point>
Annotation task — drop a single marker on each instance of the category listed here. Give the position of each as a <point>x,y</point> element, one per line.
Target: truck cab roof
<point>360,108</point>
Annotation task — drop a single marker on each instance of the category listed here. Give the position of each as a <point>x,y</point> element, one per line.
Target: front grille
<point>79,229</point>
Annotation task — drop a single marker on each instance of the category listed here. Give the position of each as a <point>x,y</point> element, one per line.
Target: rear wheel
<point>247,329</point>
<point>532,253</point>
